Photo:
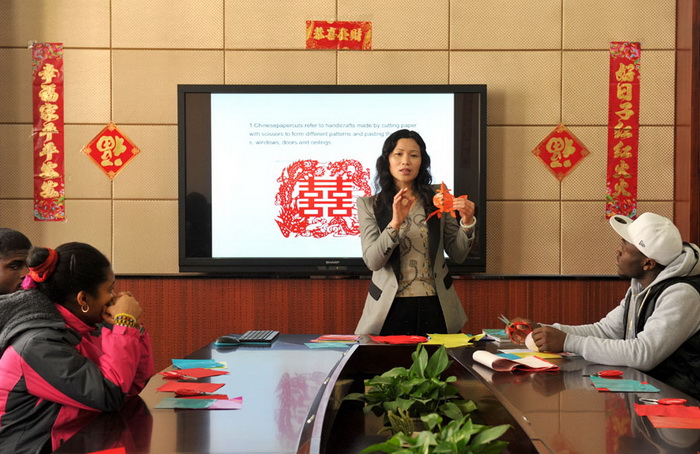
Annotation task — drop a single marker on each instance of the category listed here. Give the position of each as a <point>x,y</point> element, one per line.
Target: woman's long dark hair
<point>384,181</point>
<point>79,267</point>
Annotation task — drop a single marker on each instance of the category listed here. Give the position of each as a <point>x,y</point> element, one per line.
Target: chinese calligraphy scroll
<point>47,131</point>
<point>623,129</point>
<point>560,151</point>
<point>338,35</point>
<point>111,150</point>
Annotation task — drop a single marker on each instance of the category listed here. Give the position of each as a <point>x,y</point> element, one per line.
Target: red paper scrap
<point>180,386</point>
<point>673,422</point>
<point>399,339</point>
<point>195,372</point>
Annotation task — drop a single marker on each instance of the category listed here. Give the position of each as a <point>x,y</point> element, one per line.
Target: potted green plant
<point>416,391</point>
<point>459,436</point>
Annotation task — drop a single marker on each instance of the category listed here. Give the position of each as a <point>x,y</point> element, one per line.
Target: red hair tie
<point>42,272</point>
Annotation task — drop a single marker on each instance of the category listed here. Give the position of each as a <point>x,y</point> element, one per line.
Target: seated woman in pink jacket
<point>68,344</point>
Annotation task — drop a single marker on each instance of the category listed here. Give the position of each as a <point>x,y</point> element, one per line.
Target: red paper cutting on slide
<point>444,202</point>
<point>318,199</point>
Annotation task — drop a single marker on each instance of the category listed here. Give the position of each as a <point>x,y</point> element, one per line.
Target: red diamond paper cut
<point>111,150</point>
<point>561,151</point>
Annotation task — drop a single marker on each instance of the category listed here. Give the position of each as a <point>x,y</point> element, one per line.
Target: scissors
<point>664,401</point>
<point>608,373</point>
<point>517,331</point>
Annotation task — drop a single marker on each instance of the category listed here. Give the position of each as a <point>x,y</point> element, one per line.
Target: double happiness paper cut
<point>338,35</point>
<point>623,129</point>
<point>318,199</point>
<point>111,150</point>
<point>560,151</point>
<point>47,96</point>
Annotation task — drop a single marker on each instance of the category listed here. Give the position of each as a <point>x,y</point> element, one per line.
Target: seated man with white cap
<point>656,326</point>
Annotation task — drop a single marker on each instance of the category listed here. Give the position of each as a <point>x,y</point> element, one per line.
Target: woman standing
<point>411,291</point>
<point>68,344</point>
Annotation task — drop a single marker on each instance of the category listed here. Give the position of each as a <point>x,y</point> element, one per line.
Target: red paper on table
<point>47,131</point>
<point>120,450</point>
<point>179,386</point>
<point>673,422</point>
<point>623,129</point>
<point>338,35</point>
<point>197,372</point>
<point>683,411</point>
<point>399,339</point>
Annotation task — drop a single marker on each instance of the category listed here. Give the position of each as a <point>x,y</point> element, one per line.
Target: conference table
<point>293,403</point>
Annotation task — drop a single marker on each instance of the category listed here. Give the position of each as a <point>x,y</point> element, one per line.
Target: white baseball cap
<point>655,236</point>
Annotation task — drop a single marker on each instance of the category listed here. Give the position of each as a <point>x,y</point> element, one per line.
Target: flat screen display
<point>269,174</point>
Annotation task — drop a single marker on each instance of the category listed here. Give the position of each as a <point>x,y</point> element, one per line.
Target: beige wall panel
<point>523,238</point>
<point>523,87</point>
<point>16,86</point>
<point>152,174</point>
<point>251,24</point>
<point>89,221</point>
<point>585,87</point>
<point>145,237</point>
<point>585,76</point>
<point>587,180</point>
<point>75,23</point>
<point>589,243</point>
<point>281,67</point>
<point>505,24</point>
<point>656,148</point>
<point>168,24</point>
<point>84,179</point>
<point>145,82</point>
<point>16,161</point>
<point>593,24</point>
<point>87,83</point>
<point>513,172</point>
<point>657,89</point>
<point>401,24</point>
<point>377,67</point>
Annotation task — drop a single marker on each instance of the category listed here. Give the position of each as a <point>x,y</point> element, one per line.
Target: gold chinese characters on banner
<point>338,35</point>
<point>111,150</point>
<point>47,132</point>
<point>560,151</point>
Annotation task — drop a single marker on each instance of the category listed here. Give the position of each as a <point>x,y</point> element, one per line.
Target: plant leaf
<point>437,363</point>
<point>491,434</point>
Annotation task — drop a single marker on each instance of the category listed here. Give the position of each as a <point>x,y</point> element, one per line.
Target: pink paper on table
<point>198,372</point>
<point>399,339</point>
<point>206,396</point>
<point>176,386</point>
<point>231,404</point>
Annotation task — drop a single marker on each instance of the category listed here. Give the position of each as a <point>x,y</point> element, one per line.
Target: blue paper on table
<point>191,363</point>
<point>622,385</point>
<point>327,345</point>
<point>195,404</point>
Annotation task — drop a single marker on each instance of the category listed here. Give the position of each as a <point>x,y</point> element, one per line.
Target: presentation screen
<point>269,175</point>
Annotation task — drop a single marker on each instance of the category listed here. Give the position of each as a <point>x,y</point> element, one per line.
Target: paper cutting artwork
<point>317,199</point>
<point>444,202</point>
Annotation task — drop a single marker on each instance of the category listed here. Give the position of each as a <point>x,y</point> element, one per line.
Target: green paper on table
<point>193,363</point>
<point>622,385</point>
<point>327,345</point>
<point>453,340</point>
<point>174,402</point>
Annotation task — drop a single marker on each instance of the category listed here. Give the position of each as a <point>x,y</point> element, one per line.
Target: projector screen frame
<point>191,169</point>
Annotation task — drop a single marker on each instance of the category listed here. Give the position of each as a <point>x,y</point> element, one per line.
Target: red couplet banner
<point>623,129</point>
<point>48,130</point>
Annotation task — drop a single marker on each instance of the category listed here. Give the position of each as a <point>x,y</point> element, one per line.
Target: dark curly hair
<point>384,181</point>
<point>80,267</point>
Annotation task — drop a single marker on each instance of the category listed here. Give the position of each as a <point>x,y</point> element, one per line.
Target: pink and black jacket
<point>54,366</point>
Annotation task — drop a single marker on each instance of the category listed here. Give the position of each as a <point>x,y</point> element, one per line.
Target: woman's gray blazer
<point>381,255</point>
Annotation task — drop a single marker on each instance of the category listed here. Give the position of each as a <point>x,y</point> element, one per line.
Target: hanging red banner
<point>111,150</point>
<point>623,129</point>
<point>47,96</point>
<point>560,151</point>
<point>338,35</point>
